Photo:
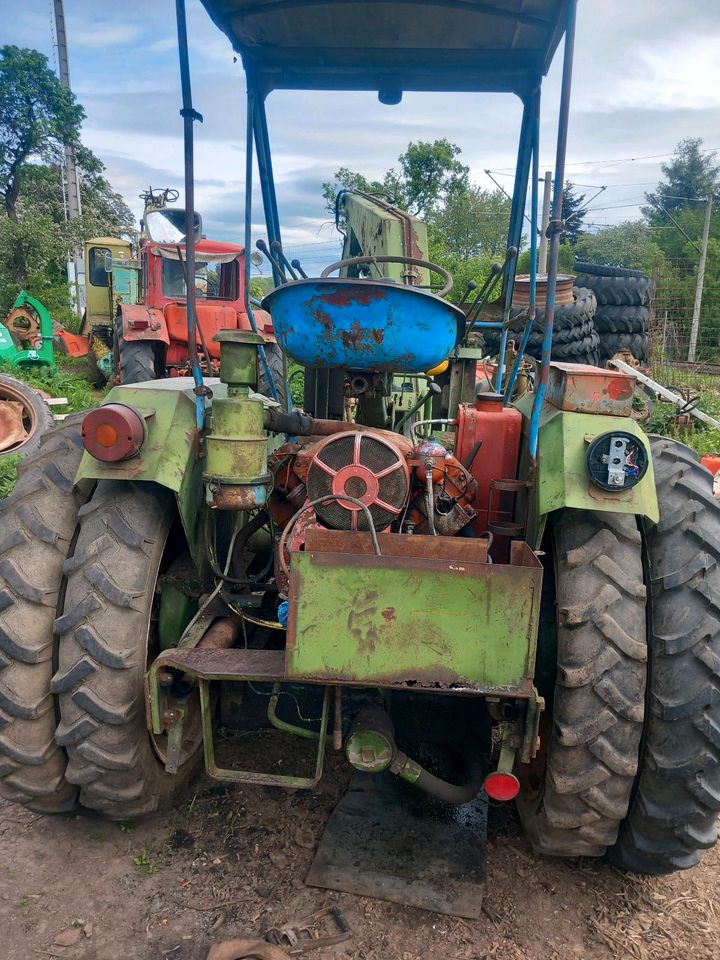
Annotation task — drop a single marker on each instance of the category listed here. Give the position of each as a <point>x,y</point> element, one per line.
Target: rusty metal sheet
<point>12,429</point>
<point>445,625</point>
<point>322,540</point>
<point>579,388</point>
<point>383,840</point>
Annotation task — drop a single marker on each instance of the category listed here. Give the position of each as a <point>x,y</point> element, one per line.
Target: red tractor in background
<point>136,318</point>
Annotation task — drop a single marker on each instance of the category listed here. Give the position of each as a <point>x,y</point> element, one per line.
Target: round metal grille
<point>364,466</point>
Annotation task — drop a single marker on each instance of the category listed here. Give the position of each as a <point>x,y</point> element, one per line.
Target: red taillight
<point>113,432</point>
<point>502,786</point>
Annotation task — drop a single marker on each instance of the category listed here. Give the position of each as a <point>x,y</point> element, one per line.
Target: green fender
<point>171,454</point>
<point>561,477</point>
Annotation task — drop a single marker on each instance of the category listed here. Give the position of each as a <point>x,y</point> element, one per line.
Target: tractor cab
<point>137,314</point>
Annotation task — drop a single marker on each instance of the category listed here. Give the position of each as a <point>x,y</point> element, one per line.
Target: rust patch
<point>347,295</point>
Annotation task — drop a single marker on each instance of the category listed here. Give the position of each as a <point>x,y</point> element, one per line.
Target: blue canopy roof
<point>393,45</point>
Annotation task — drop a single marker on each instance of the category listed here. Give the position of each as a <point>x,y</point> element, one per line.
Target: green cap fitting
<point>369,751</point>
<point>239,357</point>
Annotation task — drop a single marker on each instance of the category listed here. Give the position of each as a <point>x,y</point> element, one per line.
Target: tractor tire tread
<point>38,521</point>
<point>276,363</point>
<point>102,657</point>
<point>600,686</point>
<point>677,794</point>
<point>605,270</point>
<point>619,291</point>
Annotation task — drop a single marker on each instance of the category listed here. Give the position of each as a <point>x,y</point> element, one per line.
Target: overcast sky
<point>647,74</point>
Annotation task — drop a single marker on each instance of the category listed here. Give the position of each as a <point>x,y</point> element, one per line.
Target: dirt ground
<point>230,862</point>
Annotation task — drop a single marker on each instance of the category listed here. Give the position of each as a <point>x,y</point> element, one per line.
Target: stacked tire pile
<point>574,337</point>
<point>624,300</point>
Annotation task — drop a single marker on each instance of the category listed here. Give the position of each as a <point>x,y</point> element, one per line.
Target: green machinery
<point>26,337</point>
<point>497,585</point>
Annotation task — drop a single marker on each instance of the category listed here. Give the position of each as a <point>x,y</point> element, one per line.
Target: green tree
<point>472,221</point>
<point>629,244</point>
<point>429,173</point>
<point>104,212</point>
<point>573,213</point>
<point>37,116</point>
<point>692,174</point>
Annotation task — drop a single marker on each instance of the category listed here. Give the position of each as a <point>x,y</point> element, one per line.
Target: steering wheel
<point>171,195</point>
<point>410,261</point>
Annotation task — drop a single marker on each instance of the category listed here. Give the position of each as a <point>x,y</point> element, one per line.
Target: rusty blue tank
<point>363,324</point>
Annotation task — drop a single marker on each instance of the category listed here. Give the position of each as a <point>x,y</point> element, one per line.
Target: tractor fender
<point>143,323</point>
<point>562,478</point>
<point>263,321</point>
<point>171,453</point>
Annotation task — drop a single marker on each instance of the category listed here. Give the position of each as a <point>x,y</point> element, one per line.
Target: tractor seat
<point>367,325</point>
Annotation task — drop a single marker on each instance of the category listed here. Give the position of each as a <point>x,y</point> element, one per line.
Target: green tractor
<point>531,585</point>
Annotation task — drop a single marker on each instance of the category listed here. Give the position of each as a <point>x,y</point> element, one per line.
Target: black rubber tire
<point>38,522</point>
<point>136,360</point>
<point>104,635</point>
<point>619,291</point>
<point>39,416</point>
<point>674,810</point>
<point>567,315</point>
<point>603,270</point>
<point>635,343</point>
<point>276,362</point>
<point>622,319</point>
<point>576,348</point>
<point>599,697</point>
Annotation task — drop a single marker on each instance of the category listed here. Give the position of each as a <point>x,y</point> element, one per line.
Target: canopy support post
<point>555,226</point>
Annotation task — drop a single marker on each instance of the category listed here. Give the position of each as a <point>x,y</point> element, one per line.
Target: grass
<point>699,436</point>
<point>8,474</point>
<point>69,380</point>
<point>144,862</point>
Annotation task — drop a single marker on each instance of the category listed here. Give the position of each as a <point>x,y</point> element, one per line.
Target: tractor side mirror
<point>197,227</point>
<point>107,262</point>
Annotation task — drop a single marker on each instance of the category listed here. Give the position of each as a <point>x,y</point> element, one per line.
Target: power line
<point>652,156</point>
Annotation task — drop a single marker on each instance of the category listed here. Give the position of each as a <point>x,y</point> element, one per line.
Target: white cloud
<point>106,34</point>
<point>678,74</point>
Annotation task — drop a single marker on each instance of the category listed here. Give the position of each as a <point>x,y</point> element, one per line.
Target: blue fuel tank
<point>363,324</point>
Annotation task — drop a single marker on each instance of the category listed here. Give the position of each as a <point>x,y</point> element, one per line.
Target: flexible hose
<point>308,506</point>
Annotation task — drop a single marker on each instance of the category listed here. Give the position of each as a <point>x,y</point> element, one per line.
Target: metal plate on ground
<point>388,841</point>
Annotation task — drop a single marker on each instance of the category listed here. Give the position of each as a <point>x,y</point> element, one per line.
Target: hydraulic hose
<point>411,771</point>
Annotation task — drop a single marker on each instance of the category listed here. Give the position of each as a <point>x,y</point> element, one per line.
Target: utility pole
<point>72,180</point>
<point>700,283</point>
<point>545,220</point>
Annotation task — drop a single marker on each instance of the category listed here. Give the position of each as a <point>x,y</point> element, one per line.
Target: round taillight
<point>502,786</point>
<point>113,432</point>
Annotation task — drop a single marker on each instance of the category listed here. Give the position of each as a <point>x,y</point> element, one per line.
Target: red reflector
<point>113,432</point>
<point>502,786</point>
<point>139,324</point>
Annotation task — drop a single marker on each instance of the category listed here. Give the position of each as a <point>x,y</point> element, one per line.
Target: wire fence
<point>670,325</point>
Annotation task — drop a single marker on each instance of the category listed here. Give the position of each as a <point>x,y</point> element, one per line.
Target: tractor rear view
<point>514,596</point>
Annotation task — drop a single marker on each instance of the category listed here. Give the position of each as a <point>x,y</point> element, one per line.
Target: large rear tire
<point>674,812</point>
<point>126,538</point>
<point>276,363</point>
<point>38,522</point>
<point>136,359</point>
<point>576,794</point>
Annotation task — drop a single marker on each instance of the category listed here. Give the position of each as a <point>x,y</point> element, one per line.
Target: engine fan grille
<point>366,467</point>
